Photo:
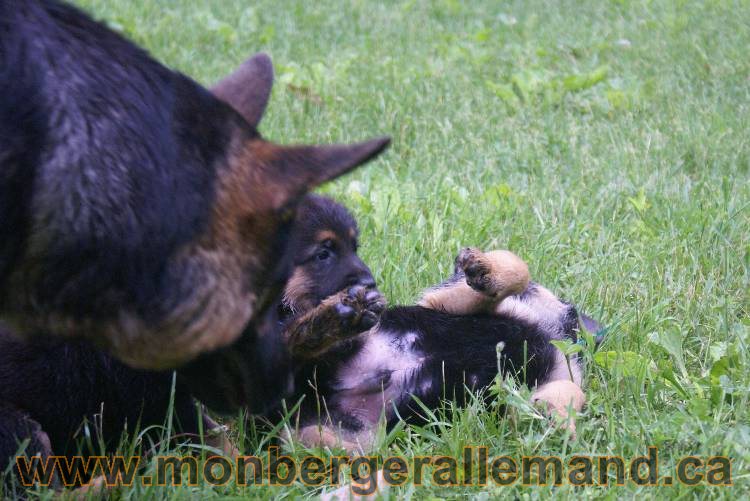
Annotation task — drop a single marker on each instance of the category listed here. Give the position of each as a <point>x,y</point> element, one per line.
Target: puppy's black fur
<point>450,352</point>
<point>352,374</point>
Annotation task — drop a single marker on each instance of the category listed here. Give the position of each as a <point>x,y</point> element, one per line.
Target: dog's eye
<point>323,255</point>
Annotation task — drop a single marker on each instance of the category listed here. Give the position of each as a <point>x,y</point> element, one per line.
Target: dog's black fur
<point>50,390</point>
<point>62,113</point>
<point>142,211</point>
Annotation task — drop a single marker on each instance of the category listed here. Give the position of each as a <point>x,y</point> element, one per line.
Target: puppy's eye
<point>323,255</point>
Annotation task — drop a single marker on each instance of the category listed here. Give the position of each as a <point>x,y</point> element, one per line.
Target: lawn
<point>606,143</point>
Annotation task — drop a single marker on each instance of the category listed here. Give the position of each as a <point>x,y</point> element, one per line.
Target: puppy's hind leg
<point>562,391</point>
<point>218,438</point>
<point>355,443</point>
<point>481,280</point>
<point>326,436</point>
<point>559,397</point>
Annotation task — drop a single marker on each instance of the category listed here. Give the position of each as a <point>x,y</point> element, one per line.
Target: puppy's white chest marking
<point>540,307</point>
<point>547,311</point>
<point>384,365</point>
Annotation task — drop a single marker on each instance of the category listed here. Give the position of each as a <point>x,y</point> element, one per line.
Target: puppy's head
<point>324,247</point>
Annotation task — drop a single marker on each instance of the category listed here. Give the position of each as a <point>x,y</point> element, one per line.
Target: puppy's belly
<point>538,306</point>
<point>375,379</point>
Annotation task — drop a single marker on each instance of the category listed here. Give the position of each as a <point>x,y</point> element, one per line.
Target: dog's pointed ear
<point>324,163</point>
<point>248,88</point>
<point>289,172</point>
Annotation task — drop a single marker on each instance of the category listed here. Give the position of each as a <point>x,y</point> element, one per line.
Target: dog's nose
<point>368,281</point>
<point>359,274</point>
<point>363,278</point>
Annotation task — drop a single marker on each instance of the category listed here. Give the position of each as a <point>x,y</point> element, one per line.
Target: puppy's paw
<point>478,271</point>
<point>557,398</point>
<point>496,274</point>
<point>359,308</point>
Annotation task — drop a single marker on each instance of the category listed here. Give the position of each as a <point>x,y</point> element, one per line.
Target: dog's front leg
<point>340,316</point>
<point>480,281</point>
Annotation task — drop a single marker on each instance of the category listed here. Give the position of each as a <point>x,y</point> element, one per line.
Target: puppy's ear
<point>248,88</point>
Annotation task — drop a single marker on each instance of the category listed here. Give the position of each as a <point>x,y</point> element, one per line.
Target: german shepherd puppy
<point>140,210</point>
<point>359,361</point>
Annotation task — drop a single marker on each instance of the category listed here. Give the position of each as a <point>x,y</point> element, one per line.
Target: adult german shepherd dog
<point>140,210</point>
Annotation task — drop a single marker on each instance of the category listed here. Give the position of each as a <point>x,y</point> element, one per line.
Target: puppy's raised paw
<point>359,308</point>
<point>477,269</point>
<point>496,274</point>
<point>339,317</point>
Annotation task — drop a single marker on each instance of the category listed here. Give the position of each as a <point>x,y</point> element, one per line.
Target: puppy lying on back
<point>359,361</point>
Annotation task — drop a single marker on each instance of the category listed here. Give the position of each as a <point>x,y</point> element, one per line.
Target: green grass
<point>604,142</point>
